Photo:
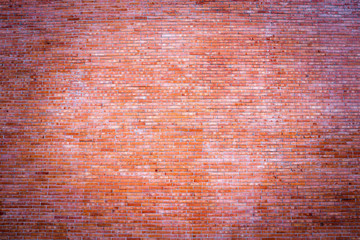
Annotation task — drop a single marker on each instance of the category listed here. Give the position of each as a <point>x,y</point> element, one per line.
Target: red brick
<point>194,119</point>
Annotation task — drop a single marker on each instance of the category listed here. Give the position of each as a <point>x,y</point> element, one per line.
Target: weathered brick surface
<point>179,119</point>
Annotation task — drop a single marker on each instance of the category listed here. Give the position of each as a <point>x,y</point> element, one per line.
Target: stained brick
<point>194,119</point>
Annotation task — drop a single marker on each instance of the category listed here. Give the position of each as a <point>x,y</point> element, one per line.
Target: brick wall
<point>179,119</point>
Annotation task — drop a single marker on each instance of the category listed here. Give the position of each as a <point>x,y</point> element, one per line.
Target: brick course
<point>206,119</point>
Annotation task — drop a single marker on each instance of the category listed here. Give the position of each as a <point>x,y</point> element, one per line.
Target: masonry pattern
<point>179,119</point>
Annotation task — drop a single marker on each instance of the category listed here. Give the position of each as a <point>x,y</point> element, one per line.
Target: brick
<point>194,119</point>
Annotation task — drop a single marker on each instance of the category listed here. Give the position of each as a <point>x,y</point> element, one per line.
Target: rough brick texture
<point>179,119</point>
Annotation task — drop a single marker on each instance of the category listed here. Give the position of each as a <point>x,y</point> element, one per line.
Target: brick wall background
<point>179,119</point>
